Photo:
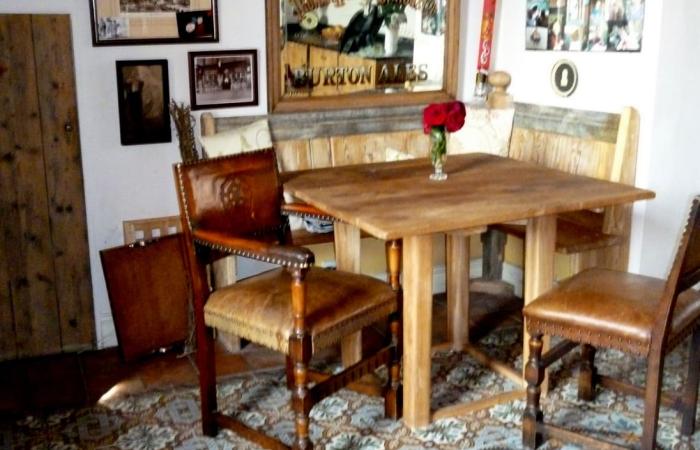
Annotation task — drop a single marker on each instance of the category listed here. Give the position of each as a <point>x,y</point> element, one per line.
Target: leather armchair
<point>233,205</point>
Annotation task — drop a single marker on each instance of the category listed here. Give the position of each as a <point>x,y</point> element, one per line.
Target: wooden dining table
<point>396,200</point>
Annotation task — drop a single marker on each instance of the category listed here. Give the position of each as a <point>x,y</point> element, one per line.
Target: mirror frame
<point>277,103</point>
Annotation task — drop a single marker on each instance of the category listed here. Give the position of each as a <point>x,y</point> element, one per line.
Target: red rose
<point>434,115</point>
<point>456,112</point>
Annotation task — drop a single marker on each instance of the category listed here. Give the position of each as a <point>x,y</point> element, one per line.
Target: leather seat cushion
<point>610,309</point>
<point>337,304</point>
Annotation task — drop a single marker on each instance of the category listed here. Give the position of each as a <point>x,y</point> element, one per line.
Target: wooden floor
<point>40,385</point>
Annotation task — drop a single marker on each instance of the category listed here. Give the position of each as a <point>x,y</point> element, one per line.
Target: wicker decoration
<point>184,124</point>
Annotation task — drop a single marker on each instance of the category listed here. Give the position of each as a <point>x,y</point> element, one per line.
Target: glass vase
<point>438,153</point>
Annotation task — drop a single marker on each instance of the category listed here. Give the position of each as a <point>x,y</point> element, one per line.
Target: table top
<point>396,199</point>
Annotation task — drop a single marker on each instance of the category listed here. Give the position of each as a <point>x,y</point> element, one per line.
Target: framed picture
<point>222,79</point>
<point>143,101</point>
<point>585,25</point>
<point>134,22</point>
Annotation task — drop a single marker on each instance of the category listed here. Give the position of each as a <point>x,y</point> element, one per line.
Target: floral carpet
<point>347,420</point>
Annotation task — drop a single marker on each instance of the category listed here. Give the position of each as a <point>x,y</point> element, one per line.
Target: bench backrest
<point>601,145</point>
<point>595,144</point>
<point>311,143</point>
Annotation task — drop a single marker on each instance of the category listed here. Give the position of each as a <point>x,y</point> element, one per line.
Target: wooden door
<point>45,290</point>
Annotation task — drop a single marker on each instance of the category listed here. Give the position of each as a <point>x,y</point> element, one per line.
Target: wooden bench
<point>599,145</point>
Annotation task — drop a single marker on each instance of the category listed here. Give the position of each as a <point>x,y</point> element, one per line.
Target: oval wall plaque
<point>564,78</point>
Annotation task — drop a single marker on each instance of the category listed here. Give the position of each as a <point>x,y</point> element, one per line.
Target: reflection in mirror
<point>337,47</point>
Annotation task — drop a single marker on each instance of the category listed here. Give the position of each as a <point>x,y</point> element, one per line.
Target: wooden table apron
<point>397,200</point>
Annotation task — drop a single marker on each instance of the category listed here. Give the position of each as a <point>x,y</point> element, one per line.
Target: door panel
<point>64,179</point>
<point>44,278</point>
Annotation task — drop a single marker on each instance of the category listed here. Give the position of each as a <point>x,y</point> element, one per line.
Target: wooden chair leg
<point>534,375</point>
<point>652,397</point>
<point>207,380</point>
<point>587,373</point>
<point>300,354</point>
<point>301,401</point>
<point>393,260</point>
<point>690,396</point>
<point>393,397</point>
<point>289,369</point>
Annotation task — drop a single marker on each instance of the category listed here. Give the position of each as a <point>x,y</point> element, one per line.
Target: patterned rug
<point>347,420</point>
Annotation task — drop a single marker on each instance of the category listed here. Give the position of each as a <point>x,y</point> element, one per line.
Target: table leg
<point>417,325</point>
<point>540,241</point>
<point>347,258</point>
<point>457,262</point>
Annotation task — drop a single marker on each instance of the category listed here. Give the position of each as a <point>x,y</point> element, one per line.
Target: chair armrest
<point>305,210</point>
<point>282,255</point>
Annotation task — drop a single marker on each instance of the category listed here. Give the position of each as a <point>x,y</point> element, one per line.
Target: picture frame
<point>143,96</point>
<point>396,53</point>
<point>141,22</point>
<point>223,78</point>
<point>585,25</point>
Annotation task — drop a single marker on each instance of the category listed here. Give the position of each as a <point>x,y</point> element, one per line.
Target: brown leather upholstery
<point>233,205</point>
<point>609,308</point>
<point>337,304</point>
<point>632,313</point>
<point>238,194</point>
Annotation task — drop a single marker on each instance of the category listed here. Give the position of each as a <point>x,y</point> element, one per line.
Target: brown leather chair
<point>633,313</point>
<point>232,205</point>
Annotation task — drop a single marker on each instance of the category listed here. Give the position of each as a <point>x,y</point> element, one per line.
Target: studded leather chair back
<point>685,272</point>
<point>690,269</point>
<point>237,195</point>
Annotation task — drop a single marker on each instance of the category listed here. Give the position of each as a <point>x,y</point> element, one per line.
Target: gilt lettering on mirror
<point>367,47</point>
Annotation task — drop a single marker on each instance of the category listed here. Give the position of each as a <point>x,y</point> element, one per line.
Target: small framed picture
<point>223,79</point>
<point>143,101</point>
<point>133,22</point>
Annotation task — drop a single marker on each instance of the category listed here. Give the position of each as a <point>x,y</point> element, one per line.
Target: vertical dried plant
<point>184,125</point>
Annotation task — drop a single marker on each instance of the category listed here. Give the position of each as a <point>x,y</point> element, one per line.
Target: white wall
<point>675,159</point>
<point>134,182</point>
<point>607,82</point>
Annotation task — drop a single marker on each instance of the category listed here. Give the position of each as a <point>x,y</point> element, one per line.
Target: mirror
<point>325,54</point>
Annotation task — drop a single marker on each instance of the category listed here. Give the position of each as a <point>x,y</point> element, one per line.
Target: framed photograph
<point>585,25</point>
<point>134,22</point>
<point>223,79</point>
<point>143,101</point>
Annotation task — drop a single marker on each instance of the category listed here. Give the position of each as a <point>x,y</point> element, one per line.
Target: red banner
<point>485,43</point>
<point>486,40</point>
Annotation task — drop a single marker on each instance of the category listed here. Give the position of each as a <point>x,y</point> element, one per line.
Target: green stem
<point>438,143</point>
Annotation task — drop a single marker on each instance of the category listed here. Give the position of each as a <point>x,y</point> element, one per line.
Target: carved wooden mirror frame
<point>278,102</point>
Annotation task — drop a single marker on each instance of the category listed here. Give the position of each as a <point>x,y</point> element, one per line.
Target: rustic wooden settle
<point>595,144</point>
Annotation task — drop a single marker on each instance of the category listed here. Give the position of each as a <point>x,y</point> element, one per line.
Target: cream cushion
<point>238,140</point>
<point>391,154</point>
<point>485,130</point>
